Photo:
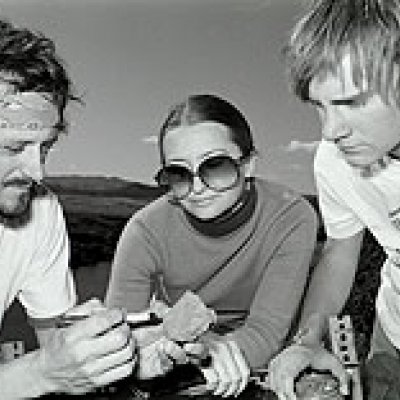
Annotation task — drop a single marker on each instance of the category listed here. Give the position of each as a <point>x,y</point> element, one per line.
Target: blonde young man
<point>344,61</point>
<point>34,91</point>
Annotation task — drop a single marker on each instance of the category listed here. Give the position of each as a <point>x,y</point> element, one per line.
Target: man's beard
<point>22,212</point>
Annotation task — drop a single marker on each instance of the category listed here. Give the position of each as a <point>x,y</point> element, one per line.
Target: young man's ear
<point>250,166</point>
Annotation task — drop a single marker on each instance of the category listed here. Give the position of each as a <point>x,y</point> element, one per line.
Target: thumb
<point>342,375</point>
<point>174,351</point>
<point>196,349</point>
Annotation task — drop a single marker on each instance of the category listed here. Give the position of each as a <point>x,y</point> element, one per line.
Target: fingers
<point>112,366</point>
<point>229,373</point>
<point>118,372</point>
<point>286,389</point>
<point>285,367</point>
<point>196,349</point>
<point>198,354</point>
<point>174,351</point>
<point>166,364</point>
<point>211,377</point>
<point>244,370</point>
<point>225,372</point>
<point>330,363</point>
<point>95,325</point>
<point>344,383</point>
<point>113,341</point>
<point>289,389</point>
<point>75,363</point>
<point>153,362</point>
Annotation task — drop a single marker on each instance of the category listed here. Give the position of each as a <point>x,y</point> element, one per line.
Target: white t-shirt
<point>34,262</point>
<point>350,202</point>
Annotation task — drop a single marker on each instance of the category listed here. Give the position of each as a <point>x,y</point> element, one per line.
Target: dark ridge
<point>105,186</point>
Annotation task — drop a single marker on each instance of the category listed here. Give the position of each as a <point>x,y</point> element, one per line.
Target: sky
<point>131,60</point>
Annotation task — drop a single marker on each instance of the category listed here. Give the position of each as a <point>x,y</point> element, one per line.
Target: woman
<point>242,244</point>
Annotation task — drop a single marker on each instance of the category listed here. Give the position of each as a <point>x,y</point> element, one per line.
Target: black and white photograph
<point>200,199</point>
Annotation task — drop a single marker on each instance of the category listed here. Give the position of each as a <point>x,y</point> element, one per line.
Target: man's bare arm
<point>329,289</point>
<point>331,282</point>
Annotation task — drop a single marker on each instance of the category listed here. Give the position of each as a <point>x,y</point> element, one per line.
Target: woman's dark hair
<point>206,107</point>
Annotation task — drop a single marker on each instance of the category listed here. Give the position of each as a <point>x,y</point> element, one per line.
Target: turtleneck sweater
<point>253,276</point>
<point>231,219</point>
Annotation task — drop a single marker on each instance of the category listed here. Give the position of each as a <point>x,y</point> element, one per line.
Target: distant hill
<point>96,210</point>
<point>105,186</point>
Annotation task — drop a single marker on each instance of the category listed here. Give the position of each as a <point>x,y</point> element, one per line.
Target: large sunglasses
<point>219,173</point>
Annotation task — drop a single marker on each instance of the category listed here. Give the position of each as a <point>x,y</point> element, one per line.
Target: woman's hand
<point>157,354</point>
<point>153,360</point>
<point>229,373</point>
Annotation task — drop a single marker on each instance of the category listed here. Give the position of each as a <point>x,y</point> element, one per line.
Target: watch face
<point>318,386</point>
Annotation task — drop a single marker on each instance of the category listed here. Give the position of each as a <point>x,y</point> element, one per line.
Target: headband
<point>26,111</point>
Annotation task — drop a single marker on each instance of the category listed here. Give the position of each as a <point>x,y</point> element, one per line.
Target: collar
<point>231,219</point>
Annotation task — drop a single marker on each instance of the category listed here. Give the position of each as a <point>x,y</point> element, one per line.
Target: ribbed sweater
<point>258,271</point>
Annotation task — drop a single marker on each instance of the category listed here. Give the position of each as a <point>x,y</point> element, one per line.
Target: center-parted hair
<point>368,29</point>
<point>208,108</point>
<point>30,62</point>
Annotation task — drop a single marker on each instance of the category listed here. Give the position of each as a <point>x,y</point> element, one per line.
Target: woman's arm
<point>279,294</point>
<point>132,269</point>
<point>274,307</point>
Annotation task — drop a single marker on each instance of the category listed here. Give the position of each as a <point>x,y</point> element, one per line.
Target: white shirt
<point>34,262</point>
<point>350,202</point>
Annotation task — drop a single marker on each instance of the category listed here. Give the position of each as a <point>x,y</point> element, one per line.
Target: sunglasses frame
<point>237,163</point>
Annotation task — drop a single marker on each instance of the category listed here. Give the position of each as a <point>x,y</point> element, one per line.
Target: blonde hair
<point>368,29</point>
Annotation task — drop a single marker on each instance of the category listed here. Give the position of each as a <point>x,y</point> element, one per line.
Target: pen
<point>134,320</point>
<point>66,320</point>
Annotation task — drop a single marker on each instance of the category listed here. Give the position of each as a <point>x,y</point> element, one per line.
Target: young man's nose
<point>333,127</point>
<point>32,163</point>
<point>198,185</point>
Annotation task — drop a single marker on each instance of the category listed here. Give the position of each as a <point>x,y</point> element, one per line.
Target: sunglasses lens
<point>177,178</point>
<point>219,173</point>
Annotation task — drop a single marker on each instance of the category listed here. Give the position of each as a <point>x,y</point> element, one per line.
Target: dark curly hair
<point>30,62</point>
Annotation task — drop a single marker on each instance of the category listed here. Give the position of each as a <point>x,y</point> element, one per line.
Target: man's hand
<point>229,373</point>
<point>88,354</point>
<point>287,365</point>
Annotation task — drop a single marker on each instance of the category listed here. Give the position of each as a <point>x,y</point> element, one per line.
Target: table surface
<point>248,394</point>
<point>251,393</point>
<point>164,388</point>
